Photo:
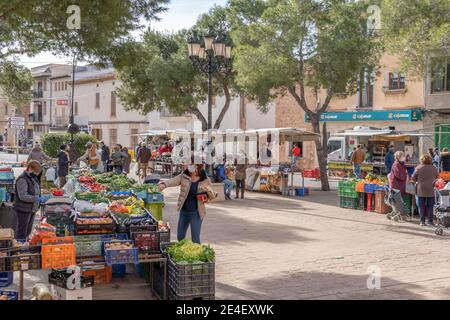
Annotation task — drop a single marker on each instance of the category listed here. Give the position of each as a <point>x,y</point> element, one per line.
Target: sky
<point>181,14</point>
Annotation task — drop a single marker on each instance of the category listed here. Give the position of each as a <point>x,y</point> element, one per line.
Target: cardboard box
<point>59,293</point>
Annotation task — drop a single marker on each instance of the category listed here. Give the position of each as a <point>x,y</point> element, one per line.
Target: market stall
<point>375,142</point>
<point>96,226</point>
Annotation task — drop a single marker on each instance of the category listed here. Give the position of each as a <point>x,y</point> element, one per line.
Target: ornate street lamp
<point>210,54</point>
<point>73,128</point>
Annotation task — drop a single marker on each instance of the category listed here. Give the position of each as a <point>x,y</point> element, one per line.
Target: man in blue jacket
<point>227,183</point>
<point>389,159</point>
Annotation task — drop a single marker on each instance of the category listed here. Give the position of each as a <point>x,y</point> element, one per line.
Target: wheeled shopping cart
<point>442,211</point>
<point>394,199</point>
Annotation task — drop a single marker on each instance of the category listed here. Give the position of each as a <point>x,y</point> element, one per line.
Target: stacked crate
<point>348,197</point>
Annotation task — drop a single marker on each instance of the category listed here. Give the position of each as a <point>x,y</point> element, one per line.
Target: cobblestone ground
<point>273,247</point>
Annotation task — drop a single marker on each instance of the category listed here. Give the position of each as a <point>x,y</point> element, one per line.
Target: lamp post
<point>210,54</point>
<point>73,128</point>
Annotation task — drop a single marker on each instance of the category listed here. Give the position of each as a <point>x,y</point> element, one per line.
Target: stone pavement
<point>274,247</point>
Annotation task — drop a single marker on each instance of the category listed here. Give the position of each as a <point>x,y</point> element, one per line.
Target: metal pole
<point>71,118</point>
<point>210,167</point>
<point>17,145</point>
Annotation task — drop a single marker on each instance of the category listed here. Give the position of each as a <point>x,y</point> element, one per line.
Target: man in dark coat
<point>63,164</point>
<point>105,155</point>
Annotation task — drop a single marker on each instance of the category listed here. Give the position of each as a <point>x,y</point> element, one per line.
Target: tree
<point>15,83</point>
<point>51,142</point>
<point>161,73</point>
<point>414,30</point>
<point>29,27</point>
<point>304,48</point>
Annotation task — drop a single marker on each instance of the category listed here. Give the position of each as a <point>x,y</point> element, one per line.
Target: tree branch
<point>225,107</point>
<point>200,117</point>
<point>301,102</point>
<point>326,102</point>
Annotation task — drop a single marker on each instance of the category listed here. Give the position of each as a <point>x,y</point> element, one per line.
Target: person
<point>143,158</point>
<point>369,155</point>
<point>136,149</point>
<point>445,160</point>
<point>296,152</point>
<point>398,174</point>
<point>221,177</point>
<point>126,160</point>
<point>38,155</point>
<point>192,181</point>
<point>425,175</point>
<point>351,153</point>
<point>63,164</point>
<point>104,155</point>
<point>27,199</point>
<point>389,159</point>
<point>90,156</point>
<point>436,157</point>
<point>357,159</point>
<point>240,176</point>
<point>164,150</point>
<point>117,159</point>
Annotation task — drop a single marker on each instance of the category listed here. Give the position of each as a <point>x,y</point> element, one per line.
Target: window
<point>56,86</point>
<point>45,85</point>
<point>75,111</point>
<point>65,86</point>
<point>441,77</point>
<point>97,100</point>
<point>44,108</point>
<point>112,137</point>
<point>97,133</point>
<point>113,104</point>
<point>396,81</point>
<point>134,138</point>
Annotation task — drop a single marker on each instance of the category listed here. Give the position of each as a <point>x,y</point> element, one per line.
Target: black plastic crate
<point>191,279</point>
<point>60,277</point>
<point>158,273</point>
<point>348,202</point>
<point>27,258</point>
<point>174,296</point>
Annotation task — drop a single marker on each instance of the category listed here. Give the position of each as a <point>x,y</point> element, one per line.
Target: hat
<point>88,144</point>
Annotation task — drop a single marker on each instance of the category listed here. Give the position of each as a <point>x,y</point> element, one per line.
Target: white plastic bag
<point>50,175</point>
<point>69,187</point>
<point>83,206</point>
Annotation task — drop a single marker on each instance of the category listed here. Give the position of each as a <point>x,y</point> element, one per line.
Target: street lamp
<point>73,128</point>
<point>210,54</point>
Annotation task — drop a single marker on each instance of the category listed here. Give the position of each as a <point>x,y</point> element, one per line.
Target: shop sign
<point>394,115</point>
<point>62,102</point>
<point>348,166</point>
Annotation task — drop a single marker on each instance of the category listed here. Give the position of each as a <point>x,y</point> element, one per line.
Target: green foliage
<point>15,83</point>
<point>51,142</point>
<point>185,251</point>
<point>416,30</point>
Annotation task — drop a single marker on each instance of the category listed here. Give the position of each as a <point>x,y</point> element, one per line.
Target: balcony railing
<point>37,93</point>
<point>60,121</point>
<point>165,113</point>
<point>35,117</point>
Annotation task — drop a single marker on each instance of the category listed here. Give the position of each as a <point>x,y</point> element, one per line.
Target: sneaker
<point>422,224</point>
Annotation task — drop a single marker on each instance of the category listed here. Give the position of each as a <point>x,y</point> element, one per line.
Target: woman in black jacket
<point>63,164</point>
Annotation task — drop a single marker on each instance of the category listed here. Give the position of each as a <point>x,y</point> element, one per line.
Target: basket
<point>60,278</point>
<point>347,189</point>
<point>102,274</point>
<point>155,209</point>
<point>6,279</point>
<point>349,202</point>
<point>12,295</point>
<point>58,252</point>
<point>191,279</point>
<point>359,187</point>
<point>120,256</point>
<point>154,197</point>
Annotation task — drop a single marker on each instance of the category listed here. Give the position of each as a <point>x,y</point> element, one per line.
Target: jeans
<point>240,184</point>
<point>105,166</point>
<point>118,169</point>
<point>227,186</point>
<point>189,218</point>
<point>25,221</point>
<point>426,205</point>
<point>357,170</point>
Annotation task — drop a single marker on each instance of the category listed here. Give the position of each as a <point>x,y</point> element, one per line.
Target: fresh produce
<point>96,187</point>
<point>82,221</point>
<point>118,245</point>
<point>186,251</point>
<point>58,192</point>
<point>120,183</point>
<point>118,208</point>
<point>163,226</point>
<point>86,179</point>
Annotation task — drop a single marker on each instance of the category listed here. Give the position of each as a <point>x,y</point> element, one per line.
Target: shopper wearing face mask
<point>195,190</point>
<point>399,174</point>
<point>27,199</point>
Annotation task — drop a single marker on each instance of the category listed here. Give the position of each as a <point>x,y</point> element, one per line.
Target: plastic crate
<point>89,248</point>
<point>369,188</point>
<point>148,241</point>
<point>6,279</point>
<point>4,244</point>
<point>370,202</point>
<point>58,252</point>
<point>154,197</point>
<point>349,202</point>
<point>60,278</point>
<point>359,187</point>
<point>362,201</point>
<point>21,259</point>
<point>301,192</point>
<point>12,295</point>
<point>119,270</point>
<point>380,206</point>
<point>141,195</point>
<point>120,256</point>
<point>3,194</point>
<point>174,296</point>
<point>159,283</point>
<point>191,279</point>
<point>155,209</point>
<point>6,175</point>
<point>347,189</point>
<point>102,274</point>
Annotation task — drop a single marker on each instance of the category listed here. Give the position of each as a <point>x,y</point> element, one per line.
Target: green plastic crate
<point>349,202</point>
<point>347,189</point>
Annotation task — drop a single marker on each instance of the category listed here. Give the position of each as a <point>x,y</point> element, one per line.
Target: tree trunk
<point>225,108</point>
<point>321,154</point>
<point>200,117</point>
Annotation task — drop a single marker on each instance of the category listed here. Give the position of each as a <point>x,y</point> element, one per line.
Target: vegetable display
<point>186,251</point>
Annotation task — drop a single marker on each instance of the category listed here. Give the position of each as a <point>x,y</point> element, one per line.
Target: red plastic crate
<point>58,252</point>
<point>370,203</point>
<point>101,276</point>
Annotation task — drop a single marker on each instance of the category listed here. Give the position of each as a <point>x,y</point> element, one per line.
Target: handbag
<point>411,187</point>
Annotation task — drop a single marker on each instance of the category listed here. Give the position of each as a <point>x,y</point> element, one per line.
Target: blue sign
<point>393,115</point>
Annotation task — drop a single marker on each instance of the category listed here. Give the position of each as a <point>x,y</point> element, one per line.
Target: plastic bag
<point>50,175</point>
<point>69,187</point>
<point>83,206</point>
<point>101,208</point>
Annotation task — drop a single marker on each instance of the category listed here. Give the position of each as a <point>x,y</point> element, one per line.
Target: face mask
<point>191,169</point>
<point>402,159</point>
